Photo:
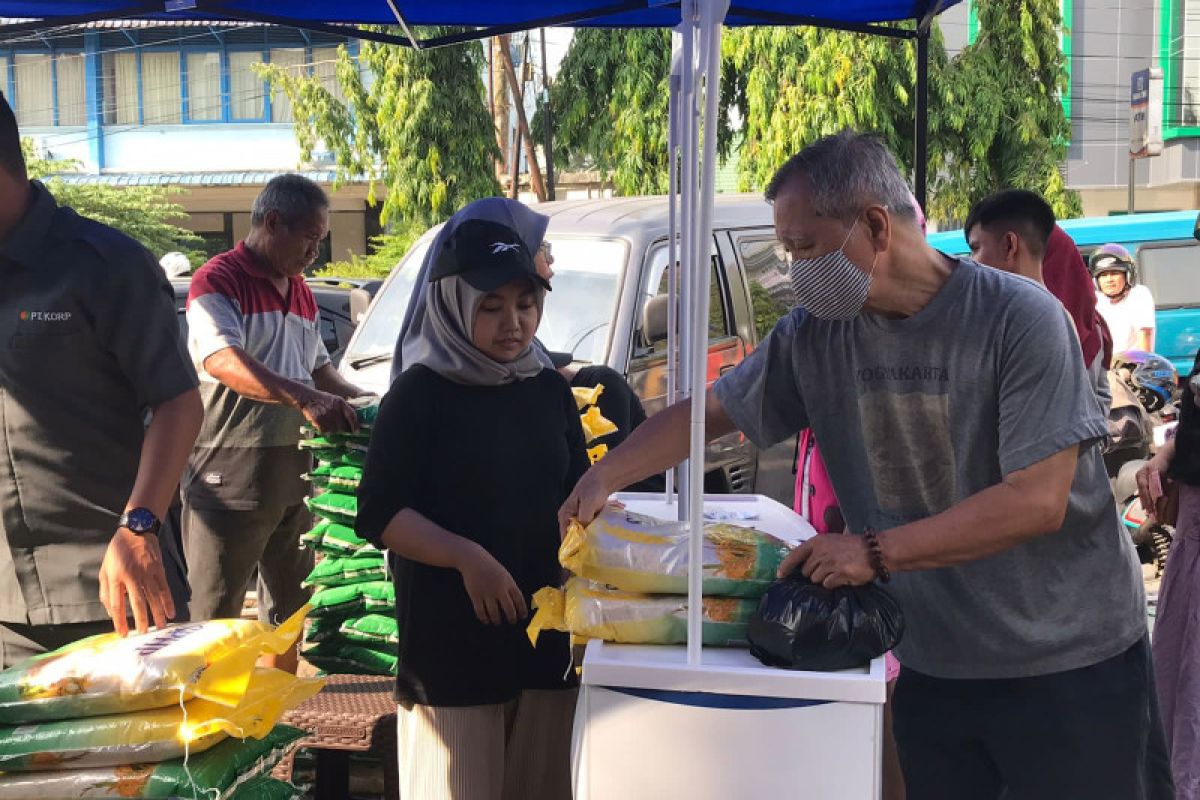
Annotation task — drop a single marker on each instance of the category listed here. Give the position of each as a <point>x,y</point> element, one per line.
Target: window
<point>247,91</point>
<point>718,316</point>
<point>1186,49</point>
<point>72,93</point>
<point>34,85</point>
<point>4,75</point>
<point>325,68</point>
<point>1170,272</point>
<point>120,88</point>
<point>162,97</point>
<point>766,268</point>
<point>292,60</point>
<point>204,87</point>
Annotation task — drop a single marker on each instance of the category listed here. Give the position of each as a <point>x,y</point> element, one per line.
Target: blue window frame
<point>45,86</point>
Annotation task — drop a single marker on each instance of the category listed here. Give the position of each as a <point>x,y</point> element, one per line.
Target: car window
<point>1171,273</point>
<point>329,333</point>
<point>766,268</point>
<point>718,305</point>
<point>378,331</point>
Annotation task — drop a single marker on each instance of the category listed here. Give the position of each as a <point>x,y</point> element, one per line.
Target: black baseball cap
<point>487,255</point>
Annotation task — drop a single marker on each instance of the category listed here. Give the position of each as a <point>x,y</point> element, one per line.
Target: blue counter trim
<point>710,700</point>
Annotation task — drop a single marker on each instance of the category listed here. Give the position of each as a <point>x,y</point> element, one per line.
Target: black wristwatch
<point>140,521</point>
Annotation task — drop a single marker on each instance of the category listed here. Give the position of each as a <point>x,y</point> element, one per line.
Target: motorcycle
<point>1144,411</point>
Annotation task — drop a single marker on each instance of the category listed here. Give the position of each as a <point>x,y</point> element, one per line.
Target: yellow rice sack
<point>637,553</point>
<point>587,395</point>
<point>590,611</point>
<point>109,675</point>
<point>147,737</point>
<point>596,424</point>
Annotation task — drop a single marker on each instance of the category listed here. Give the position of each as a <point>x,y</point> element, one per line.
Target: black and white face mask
<point>831,286</point>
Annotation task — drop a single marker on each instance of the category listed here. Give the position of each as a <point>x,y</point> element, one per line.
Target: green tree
<point>413,121</point>
<point>1000,113</point>
<point>610,107</point>
<point>386,251</point>
<point>791,86</point>
<point>141,212</point>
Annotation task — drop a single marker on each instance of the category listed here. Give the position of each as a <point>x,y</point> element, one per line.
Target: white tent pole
<point>687,201</point>
<point>673,239</point>
<point>712,14</point>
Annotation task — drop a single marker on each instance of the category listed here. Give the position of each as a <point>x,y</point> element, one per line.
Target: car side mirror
<point>360,300</point>
<point>654,319</point>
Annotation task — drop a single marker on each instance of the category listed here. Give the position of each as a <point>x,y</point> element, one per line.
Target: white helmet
<point>175,264</point>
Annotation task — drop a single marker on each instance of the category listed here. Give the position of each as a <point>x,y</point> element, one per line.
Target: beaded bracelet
<point>875,554</point>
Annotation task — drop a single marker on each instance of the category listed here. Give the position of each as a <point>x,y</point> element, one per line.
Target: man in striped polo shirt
<point>254,336</point>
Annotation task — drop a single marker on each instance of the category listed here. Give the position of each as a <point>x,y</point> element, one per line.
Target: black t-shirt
<point>619,404</point>
<point>491,464</point>
<point>1185,467</point>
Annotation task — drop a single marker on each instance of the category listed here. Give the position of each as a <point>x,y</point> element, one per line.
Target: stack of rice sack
<point>630,581</point>
<point>176,712</point>
<point>352,627</point>
<point>595,425</point>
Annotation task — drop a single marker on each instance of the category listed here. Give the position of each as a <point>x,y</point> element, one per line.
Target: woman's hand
<point>493,592</point>
<point>1151,477</point>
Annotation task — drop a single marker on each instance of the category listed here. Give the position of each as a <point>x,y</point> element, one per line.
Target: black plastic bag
<point>801,625</point>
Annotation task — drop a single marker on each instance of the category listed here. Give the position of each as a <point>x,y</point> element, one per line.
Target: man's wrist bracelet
<point>875,554</point>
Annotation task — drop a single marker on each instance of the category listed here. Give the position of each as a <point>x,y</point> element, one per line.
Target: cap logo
<point>502,247</point>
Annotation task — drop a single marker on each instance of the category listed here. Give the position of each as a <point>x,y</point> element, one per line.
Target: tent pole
<point>672,271</point>
<point>921,156</point>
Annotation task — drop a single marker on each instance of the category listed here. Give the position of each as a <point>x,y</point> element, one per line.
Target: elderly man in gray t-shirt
<point>963,439</point>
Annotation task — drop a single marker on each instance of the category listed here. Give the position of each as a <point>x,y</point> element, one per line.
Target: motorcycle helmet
<point>1112,258</point>
<point>1151,377</point>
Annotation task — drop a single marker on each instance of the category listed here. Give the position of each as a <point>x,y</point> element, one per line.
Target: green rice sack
<point>265,788</point>
<point>335,507</point>
<point>215,774</point>
<point>337,540</point>
<point>323,448</point>
<point>343,571</point>
<point>345,478</point>
<point>371,630</point>
<point>343,659</point>
<point>356,599</point>
<point>353,458</point>
<point>320,474</point>
<point>322,629</point>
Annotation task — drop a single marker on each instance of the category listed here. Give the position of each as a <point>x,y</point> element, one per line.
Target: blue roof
<point>514,14</point>
<point>1128,229</point>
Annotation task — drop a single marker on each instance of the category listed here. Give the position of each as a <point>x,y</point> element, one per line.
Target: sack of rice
<point>106,674</point>
<point>334,506</point>
<point>587,395</point>
<point>356,599</point>
<point>637,553</point>
<point>351,569</point>
<point>591,611</point>
<point>371,630</point>
<point>343,659</point>
<point>263,787</point>
<point>336,540</point>
<point>215,774</point>
<point>147,737</point>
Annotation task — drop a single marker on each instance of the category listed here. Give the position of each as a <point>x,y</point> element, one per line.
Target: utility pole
<point>498,92</point>
<point>549,117</point>
<point>535,172</point>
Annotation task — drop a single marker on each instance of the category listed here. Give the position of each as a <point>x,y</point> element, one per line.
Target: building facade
<point>180,105</point>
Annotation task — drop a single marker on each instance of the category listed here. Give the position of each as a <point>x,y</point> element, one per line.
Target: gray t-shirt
<point>918,414</point>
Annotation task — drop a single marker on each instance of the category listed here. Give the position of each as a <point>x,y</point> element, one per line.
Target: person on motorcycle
<point>1127,307</point>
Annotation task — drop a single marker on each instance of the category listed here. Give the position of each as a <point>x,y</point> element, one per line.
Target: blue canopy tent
<point>694,91</point>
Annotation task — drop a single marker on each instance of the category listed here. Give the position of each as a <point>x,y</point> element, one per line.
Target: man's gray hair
<point>294,198</point>
<point>845,173</point>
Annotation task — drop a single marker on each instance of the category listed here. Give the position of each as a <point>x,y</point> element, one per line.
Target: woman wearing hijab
<point>477,444</point>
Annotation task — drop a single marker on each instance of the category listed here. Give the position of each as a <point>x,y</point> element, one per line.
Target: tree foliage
<point>1000,116</point>
<point>386,251</point>
<point>995,118</point>
<point>610,107</point>
<point>794,85</point>
<point>419,126</point>
<point>141,212</point>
